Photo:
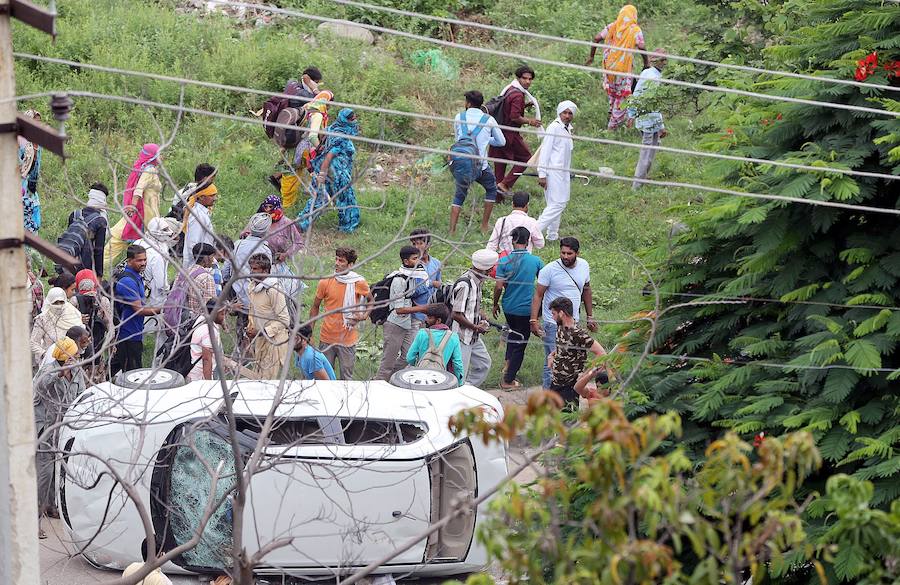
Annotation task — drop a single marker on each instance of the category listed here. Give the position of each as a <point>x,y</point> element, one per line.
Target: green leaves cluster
<point>817,350</point>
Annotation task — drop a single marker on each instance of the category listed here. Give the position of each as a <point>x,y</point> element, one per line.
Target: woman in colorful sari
<point>621,36</point>
<point>332,180</point>
<point>30,168</point>
<point>140,203</point>
<point>315,118</point>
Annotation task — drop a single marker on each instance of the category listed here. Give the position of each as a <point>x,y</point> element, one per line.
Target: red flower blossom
<point>758,440</point>
<point>764,121</point>
<point>866,66</point>
<point>729,131</point>
<point>778,117</point>
<point>892,68</point>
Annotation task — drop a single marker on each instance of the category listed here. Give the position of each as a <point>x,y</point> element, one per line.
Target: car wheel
<point>150,379</point>
<point>413,378</point>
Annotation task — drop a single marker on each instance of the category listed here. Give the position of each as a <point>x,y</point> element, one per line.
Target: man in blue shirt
<point>421,239</point>
<point>468,171</point>
<point>309,360</point>
<point>515,283</point>
<point>129,294</point>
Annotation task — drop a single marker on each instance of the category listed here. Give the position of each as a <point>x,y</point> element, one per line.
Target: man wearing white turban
<point>554,163</point>
<point>159,237</point>
<point>469,320</point>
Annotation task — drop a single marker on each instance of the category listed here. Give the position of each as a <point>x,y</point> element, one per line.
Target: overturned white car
<point>347,472</point>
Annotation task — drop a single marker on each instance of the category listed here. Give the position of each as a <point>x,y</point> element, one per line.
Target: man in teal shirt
<point>311,362</point>
<point>516,274</point>
<point>436,315</point>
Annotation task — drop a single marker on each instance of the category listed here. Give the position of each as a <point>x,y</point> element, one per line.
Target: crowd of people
<point>100,319</point>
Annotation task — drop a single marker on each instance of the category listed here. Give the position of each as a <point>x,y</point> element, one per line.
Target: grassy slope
<point>613,223</point>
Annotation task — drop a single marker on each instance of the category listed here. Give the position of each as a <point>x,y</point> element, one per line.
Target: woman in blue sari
<point>30,168</point>
<point>332,176</point>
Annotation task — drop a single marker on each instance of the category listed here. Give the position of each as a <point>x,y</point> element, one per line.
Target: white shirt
<point>556,150</point>
<point>502,242</point>
<point>156,274</point>
<point>489,135</point>
<point>199,231</point>
<point>564,282</point>
<point>201,339</point>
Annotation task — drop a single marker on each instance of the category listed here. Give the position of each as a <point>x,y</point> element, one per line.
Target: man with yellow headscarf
<point>56,385</point>
<point>620,37</point>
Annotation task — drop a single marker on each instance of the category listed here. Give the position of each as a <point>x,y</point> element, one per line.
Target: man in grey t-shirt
<point>568,277</point>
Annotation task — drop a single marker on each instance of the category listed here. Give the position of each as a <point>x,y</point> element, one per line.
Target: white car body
<point>386,468</point>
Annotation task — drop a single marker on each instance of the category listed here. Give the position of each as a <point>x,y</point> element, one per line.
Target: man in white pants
<point>556,154</point>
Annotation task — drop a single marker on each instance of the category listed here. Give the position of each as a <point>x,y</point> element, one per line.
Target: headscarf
<point>148,156</point>
<point>320,102</point>
<point>484,259</point>
<point>566,105</point>
<point>163,230</point>
<point>86,280</point>
<point>259,225</point>
<point>29,149</point>
<point>343,124</point>
<point>210,189</point>
<point>62,315</point>
<point>97,199</point>
<point>621,34</point>
<point>277,207</point>
<point>65,349</point>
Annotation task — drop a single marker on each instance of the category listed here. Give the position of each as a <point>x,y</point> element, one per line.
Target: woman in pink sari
<point>140,203</point>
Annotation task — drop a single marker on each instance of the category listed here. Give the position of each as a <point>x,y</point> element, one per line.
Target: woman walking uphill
<point>621,36</point>
<point>140,202</point>
<point>332,180</point>
<point>30,168</point>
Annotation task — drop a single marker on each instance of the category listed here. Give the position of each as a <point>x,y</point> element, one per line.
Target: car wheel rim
<point>423,377</point>
<point>141,377</point>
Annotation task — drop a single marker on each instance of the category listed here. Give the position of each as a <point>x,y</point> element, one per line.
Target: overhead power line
<point>551,38</point>
<point>530,58</point>
<point>213,85</point>
<point>399,145</point>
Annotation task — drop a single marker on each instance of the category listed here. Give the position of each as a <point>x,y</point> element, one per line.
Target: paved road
<point>58,567</point>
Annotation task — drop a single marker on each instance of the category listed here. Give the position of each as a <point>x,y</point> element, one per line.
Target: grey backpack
<point>434,356</point>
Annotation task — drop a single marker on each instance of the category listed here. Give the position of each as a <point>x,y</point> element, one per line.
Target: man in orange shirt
<point>347,302</point>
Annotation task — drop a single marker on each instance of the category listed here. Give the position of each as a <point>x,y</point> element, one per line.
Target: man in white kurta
<point>556,154</point>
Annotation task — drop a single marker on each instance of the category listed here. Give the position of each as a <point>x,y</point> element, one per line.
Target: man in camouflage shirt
<point>572,346</point>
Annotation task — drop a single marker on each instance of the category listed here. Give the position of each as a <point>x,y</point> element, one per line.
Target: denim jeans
<point>550,328</point>
<point>466,172</point>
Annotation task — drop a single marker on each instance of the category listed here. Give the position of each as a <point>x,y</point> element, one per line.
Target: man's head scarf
<point>484,259</point>
<point>260,224</point>
<point>65,349</point>
<point>566,105</point>
<point>86,280</point>
<point>163,230</point>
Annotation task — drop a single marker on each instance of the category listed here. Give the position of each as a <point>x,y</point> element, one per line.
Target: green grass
<point>614,224</point>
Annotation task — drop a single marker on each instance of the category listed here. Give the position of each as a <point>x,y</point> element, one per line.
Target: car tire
<point>413,378</point>
<point>150,379</point>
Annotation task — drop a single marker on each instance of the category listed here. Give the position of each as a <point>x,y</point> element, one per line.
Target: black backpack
<point>381,295</point>
<point>77,235</point>
<point>494,108</point>
<point>175,352</point>
<point>444,295</point>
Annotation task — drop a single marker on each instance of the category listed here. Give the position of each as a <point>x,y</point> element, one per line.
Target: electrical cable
<point>416,115</point>
<point>583,68</point>
<point>399,145</point>
<point>551,38</point>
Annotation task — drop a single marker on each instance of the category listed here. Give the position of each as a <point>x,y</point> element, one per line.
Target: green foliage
<point>612,507</point>
<point>824,359</point>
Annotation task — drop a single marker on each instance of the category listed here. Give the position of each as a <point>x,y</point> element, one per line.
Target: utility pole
<point>19,560</point>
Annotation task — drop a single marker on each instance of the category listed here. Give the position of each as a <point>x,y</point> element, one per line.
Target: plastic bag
<point>435,59</point>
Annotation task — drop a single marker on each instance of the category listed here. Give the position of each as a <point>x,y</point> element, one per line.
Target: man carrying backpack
<point>469,320</point>
<point>475,131</point>
<point>437,347</point>
<point>399,327</point>
<point>511,112</point>
<point>85,235</point>
<point>129,294</point>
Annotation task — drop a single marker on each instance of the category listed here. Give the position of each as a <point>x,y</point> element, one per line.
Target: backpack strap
<point>569,274</point>
<point>444,341</point>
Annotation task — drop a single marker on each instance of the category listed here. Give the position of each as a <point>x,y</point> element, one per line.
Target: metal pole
<point>19,561</point>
